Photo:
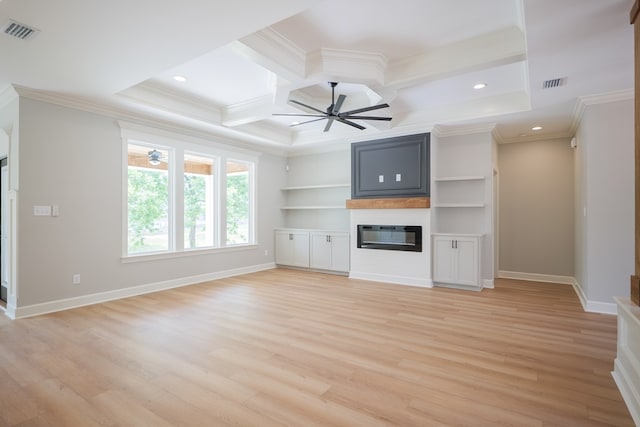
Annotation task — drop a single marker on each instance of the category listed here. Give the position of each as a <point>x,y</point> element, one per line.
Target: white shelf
<point>290,208</point>
<point>460,178</point>
<point>315,187</point>
<point>459,205</point>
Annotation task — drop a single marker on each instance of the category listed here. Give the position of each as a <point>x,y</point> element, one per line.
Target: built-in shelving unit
<point>315,187</point>
<point>311,207</point>
<point>316,197</point>
<point>462,189</point>
<point>458,205</point>
<point>455,192</point>
<point>459,178</point>
<point>315,190</point>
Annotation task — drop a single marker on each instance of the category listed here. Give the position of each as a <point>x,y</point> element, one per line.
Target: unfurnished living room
<point>319,212</point>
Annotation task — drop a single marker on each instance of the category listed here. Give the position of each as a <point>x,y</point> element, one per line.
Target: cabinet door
<point>292,248</point>
<point>284,249</point>
<point>320,251</point>
<point>340,252</point>
<point>467,261</point>
<point>300,249</point>
<point>443,259</point>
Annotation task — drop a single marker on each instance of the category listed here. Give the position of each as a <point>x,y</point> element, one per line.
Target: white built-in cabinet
<point>456,260</point>
<point>292,248</point>
<point>316,249</point>
<point>329,251</point>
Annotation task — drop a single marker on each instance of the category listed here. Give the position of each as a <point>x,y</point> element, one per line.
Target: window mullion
<point>222,202</point>
<point>177,199</point>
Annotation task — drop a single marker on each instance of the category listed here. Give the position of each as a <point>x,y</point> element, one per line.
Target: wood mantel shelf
<point>390,203</point>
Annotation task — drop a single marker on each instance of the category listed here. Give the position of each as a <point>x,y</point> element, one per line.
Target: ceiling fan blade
<point>386,119</point>
<point>338,105</point>
<point>299,115</point>
<point>362,110</point>
<point>304,123</point>
<point>307,106</point>
<point>329,123</point>
<point>347,122</point>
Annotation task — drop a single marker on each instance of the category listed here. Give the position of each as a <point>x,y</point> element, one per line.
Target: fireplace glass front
<point>390,237</point>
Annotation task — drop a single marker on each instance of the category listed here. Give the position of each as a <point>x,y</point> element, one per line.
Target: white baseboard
<point>535,277</point>
<point>488,283</point>
<point>587,305</point>
<point>398,280</point>
<point>10,311</point>
<point>68,303</point>
<point>629,391</point>
<point>626,367</point>
<point>593,306</point>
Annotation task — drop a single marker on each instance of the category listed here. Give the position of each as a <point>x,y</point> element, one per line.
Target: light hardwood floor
<point>285,347</point>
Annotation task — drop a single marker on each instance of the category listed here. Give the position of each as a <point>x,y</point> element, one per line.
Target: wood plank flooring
<point>286,347</point>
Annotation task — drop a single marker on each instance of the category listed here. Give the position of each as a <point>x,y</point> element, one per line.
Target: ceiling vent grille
<point>18,30</point>
<point>551,83</point>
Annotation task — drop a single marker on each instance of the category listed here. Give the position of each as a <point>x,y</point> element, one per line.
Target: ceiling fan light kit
<point>333,113</point>
<point>154,157</point>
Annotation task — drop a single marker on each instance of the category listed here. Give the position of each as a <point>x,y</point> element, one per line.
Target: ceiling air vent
<point>18,30</point>
<point>551,83</point>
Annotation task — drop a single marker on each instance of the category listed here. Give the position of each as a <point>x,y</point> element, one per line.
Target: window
<point>180,196</point>
<point>148,200</point>
<point>199,205</point>
<point>238,202</point>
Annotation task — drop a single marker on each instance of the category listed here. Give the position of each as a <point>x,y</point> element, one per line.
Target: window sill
<point>186,253</point>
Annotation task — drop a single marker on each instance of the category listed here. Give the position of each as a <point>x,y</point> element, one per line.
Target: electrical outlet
<point>76,279</point>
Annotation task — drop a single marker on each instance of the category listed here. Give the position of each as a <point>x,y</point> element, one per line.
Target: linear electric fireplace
<point>390,237</point>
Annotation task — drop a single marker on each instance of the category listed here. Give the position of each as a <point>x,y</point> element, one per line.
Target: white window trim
<point>178,145</point>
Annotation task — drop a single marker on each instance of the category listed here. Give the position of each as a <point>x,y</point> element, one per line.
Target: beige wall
<point>74,159</point>
<point>536,207</point>
<point>605,203</point>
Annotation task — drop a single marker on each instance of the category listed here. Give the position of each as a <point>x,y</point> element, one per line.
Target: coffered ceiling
<point>246,60</point>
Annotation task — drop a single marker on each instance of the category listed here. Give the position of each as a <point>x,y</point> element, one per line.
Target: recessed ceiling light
<point>536,128</point>
<point>180,79</point>
<point>479,85</point>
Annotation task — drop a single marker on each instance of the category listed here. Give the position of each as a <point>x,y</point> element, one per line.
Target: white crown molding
<point>497,135</point>
<point>137,131</point>
<point>275,52</point>
<point>164,98</point>
<point>542,137</point>
<point>248,111</point>
<point>7,95</point>
<point>604,98</point>
<point>500,47</point>
<point>269,132</point>
<point>347,66</point>
<point>444,131</point>
<point>489,107</point>
<point>198,129</point>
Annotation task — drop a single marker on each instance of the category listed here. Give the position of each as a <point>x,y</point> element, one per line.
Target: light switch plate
<point>42,210</point>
